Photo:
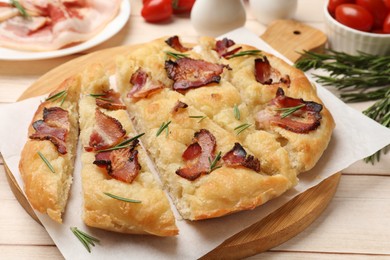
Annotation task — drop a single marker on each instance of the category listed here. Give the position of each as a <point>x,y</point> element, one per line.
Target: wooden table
<point>355,224</point>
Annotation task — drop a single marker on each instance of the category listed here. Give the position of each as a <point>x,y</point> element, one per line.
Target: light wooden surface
<point>355,225</point>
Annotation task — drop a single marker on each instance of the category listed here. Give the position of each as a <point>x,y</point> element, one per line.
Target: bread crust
<point>47,191</point>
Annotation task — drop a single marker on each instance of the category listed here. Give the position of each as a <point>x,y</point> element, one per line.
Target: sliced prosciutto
<point>107,133</point>
<point>175,43</point>
<point>121,164</point>
<point>7,11</point>
<point>305,118</point>
<point>53,24</point>
<point>53,127</point>
<point>267,75</point>
<point>188,73</point>
<point>222,46</point>
<point>237,157</point>
<point>198,155</point>
<point>143,85</point>
<point>109,100</point>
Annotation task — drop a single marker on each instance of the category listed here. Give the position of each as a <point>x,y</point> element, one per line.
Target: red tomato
<point>182,6</point>
<point>354,16</point>
<point>334,3</point>
<point>155,11</point>
<point>387,3</point>
<point>377,8</point>
<point>386,24</point>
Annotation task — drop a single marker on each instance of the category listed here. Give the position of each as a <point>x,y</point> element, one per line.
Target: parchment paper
<point>354,138</point>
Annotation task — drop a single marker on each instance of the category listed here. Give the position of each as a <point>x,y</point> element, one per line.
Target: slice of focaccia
<point>47,159</point>
<point>114,166</point>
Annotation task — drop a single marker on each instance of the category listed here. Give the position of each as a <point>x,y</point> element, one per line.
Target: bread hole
<point>296,32</point>
<point>283,141</point>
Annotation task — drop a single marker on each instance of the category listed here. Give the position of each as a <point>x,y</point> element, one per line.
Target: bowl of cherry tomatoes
<point>355,26</point>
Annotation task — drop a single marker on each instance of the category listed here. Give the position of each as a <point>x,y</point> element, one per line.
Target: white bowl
<point>345,39</point>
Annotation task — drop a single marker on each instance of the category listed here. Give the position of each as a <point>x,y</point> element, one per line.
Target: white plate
<point>110,30</point>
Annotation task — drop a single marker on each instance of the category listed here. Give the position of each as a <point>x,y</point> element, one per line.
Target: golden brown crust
<point>47,191</point>
<point>153,215</point>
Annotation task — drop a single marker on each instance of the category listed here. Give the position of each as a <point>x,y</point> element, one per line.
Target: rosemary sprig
<point>213,164</point>
<point>20,8</point>
<point>361,77</point>
<point>246,53</point>
<point>241,128</point>
<point>121,198</point>
<point>163,127</point>
<point>100,96</point>
<point>85,239</point>
<point>60,95</point>
<point>124,144</point>
<point>236,112</point>
<point>176,55</point>
<point>289,110</point>
<point>46,162</point>
<point>200,118</point>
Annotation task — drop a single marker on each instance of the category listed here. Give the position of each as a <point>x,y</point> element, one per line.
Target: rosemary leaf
<point>236,112</point>
<point>246,53</point>
<point>20,8</point>
<point>46,162</point>
<point>200,117</point>
<point>289,110</point>
<point>124,144</point>
<point>176,55</point>
<point>97,95</point>
<point>213,164</point>
<point>85,239</point>
<point>100,96</point>
<point>121,198</point>
<point>163,127</point>
<point>239,129</point>
<point>60,95</point>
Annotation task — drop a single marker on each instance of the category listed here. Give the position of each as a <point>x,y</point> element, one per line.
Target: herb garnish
<point>20,8</point>
<point>360,77</point>
<point>200,117</point>
<point>241,128</point>
<point>85,239</point>
<point>46,162</point>
<point>213,164</point>
<point>101,97</point>
<point>236,112</point>
<point>121,198</point>
<point>124,144</point>
<point>289,110</point>
<point>62,94</point>
<point>164,126</point>
<point>246,53</point>
<point>176,55</point>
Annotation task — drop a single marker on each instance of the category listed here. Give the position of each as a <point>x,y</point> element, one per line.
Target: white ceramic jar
<point>216,17</point>
<point>267,11</point>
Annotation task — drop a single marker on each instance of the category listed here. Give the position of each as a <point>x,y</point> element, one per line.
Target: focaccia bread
<point>52,137</point>
<point>228,127</point>
<point>124,172</point>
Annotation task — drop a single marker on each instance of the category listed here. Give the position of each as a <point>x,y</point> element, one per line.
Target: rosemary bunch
<point>361,77</point>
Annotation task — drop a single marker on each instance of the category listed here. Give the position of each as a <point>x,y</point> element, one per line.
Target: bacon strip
<point>121,164</point>
<point>189,73</point>
<point>143,86</point>
<point>304,120</point>
<point>175,43</point>
<point>110,100</point>
<point>237,157</point>
<point>267,75</point>
<point>198,155</point>
<point>107,133</point>
<point>221,47</point>
<point>53,127</point>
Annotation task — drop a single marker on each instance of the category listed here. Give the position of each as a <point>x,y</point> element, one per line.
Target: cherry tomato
<point>386,24</point>
<point>354,16</point>
<point>387,3</point>
<point>334,3</point>
<point>155,11</point>
<point>377,8</point>
<point>182,6</point>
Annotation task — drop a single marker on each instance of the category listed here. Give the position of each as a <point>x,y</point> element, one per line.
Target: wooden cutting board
<point>289,38</point>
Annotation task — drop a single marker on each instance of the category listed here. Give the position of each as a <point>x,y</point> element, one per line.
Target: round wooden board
<point>276,228</point>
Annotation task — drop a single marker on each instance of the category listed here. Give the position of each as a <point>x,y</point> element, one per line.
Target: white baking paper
<point>354,138</point>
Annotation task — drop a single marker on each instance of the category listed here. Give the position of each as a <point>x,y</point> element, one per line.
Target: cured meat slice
<point>237,157</point>
<point>221,47</point>
<point>109,100</point>
<point>175,43</point>
<point>267,75</point>
<point>143,85</point>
